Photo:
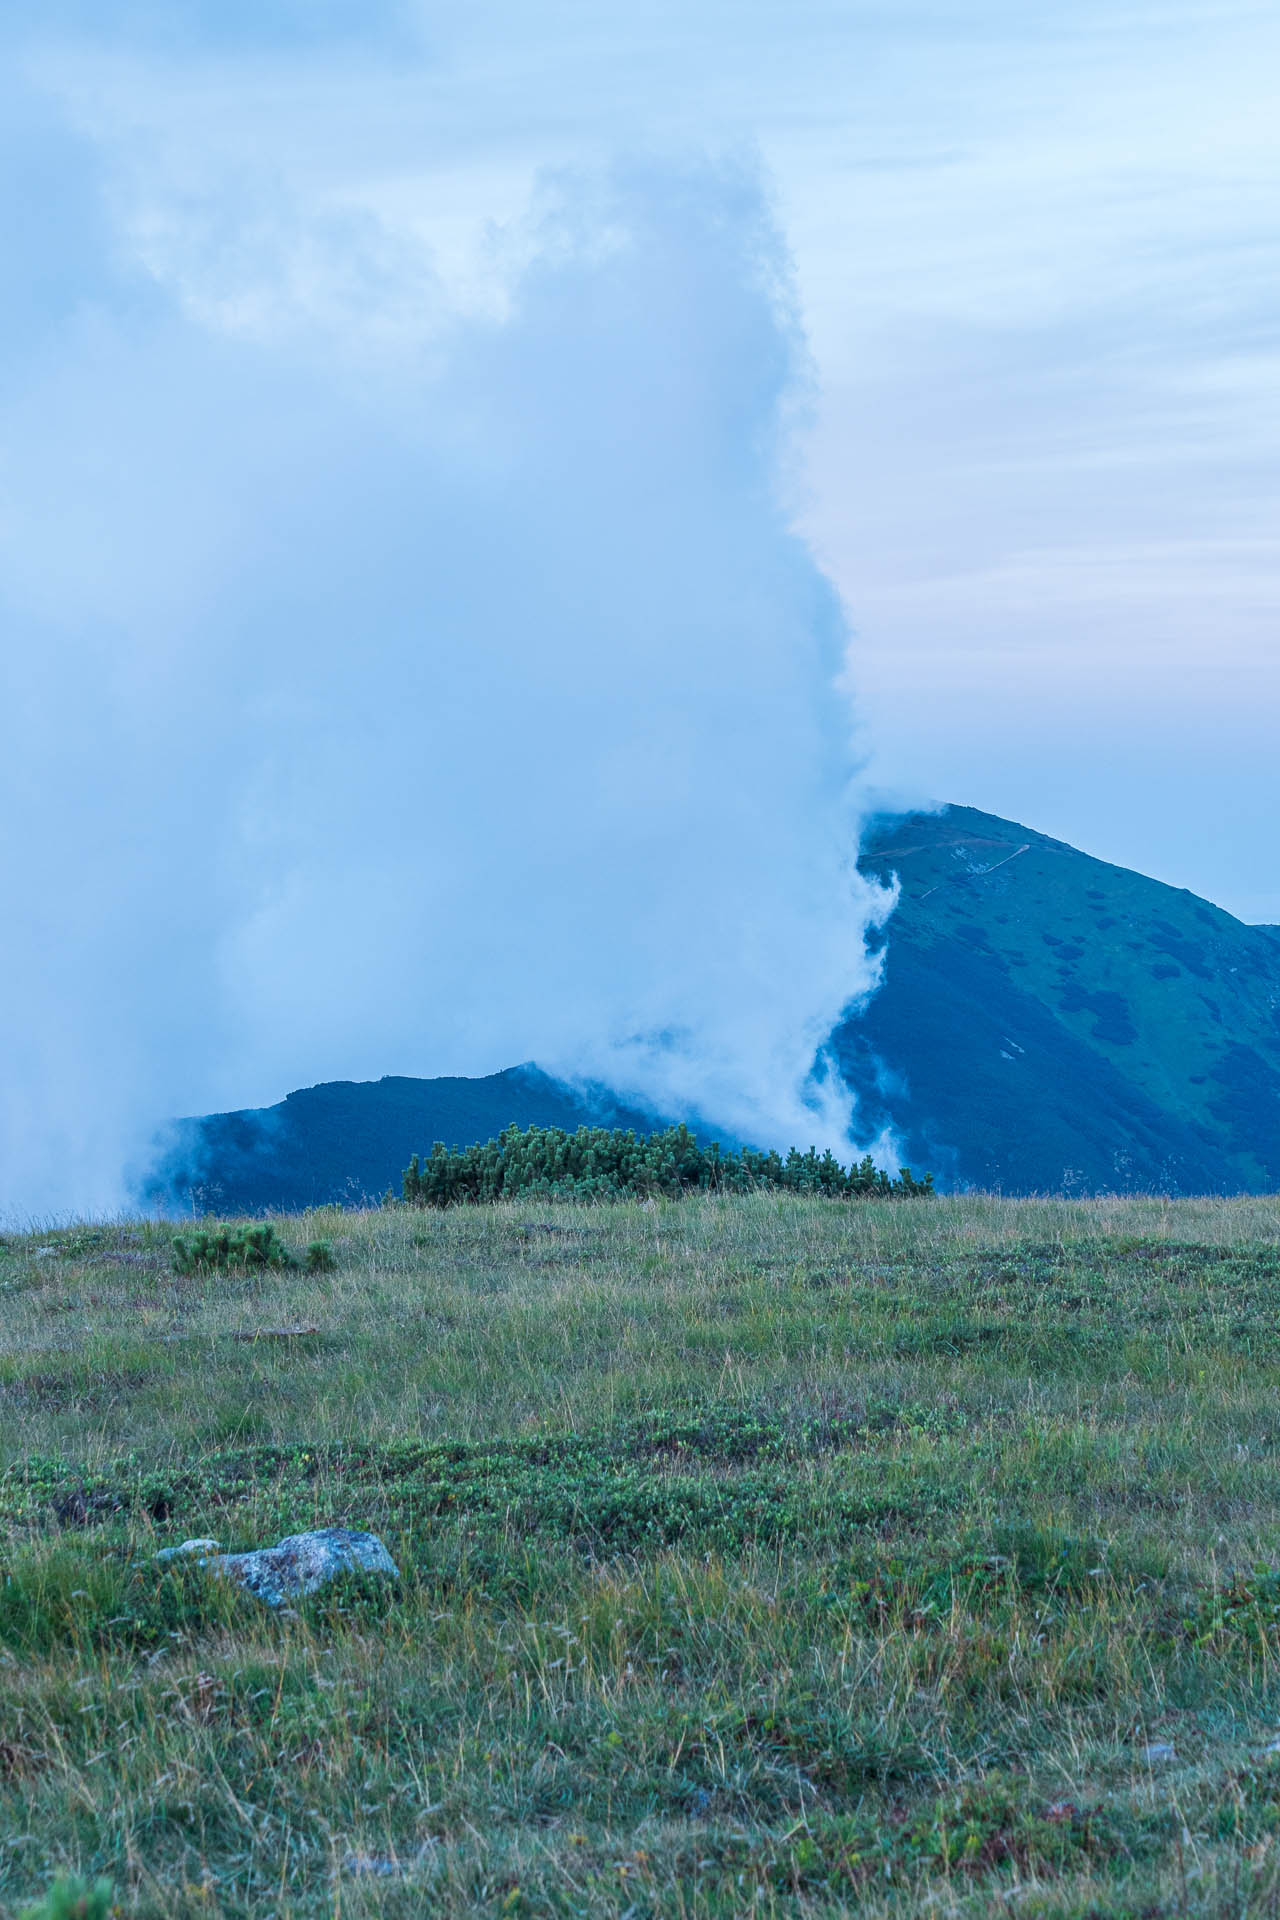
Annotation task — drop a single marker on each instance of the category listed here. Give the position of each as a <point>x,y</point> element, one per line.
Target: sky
<point>894,385</point>
<point>1036,250</point>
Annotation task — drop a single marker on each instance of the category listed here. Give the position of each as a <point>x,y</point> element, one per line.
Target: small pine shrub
<point>239,1249</point>
<point>598,1163</point>
<point>71,1898</point>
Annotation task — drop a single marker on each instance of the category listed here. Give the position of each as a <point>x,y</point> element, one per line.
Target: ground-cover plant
<point>226,1249</point>
<point>71,1898</point>
<point>758,1555</point>
<point>602,1163</point>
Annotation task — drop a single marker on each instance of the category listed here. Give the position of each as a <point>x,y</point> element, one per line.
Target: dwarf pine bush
<point>71,1898</point>
<point>601,1163</point>
<point>242,1248</point>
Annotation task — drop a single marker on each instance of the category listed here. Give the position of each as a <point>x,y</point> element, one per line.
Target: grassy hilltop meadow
<point>758,1554</point>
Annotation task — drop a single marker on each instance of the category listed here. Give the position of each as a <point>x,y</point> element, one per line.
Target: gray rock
<point>299,1564</point>
<point>1157,1752</point>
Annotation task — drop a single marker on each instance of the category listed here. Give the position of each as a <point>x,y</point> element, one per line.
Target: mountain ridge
<point>1046,1022</point>
<point>1050,1021</point>
<point>349,1140</point>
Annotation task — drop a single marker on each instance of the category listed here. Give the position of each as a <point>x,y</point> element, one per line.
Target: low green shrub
<point>1246,1608</point>
<point>71,1898</point>
<point>241,1248</point>
<point>601,1163</point>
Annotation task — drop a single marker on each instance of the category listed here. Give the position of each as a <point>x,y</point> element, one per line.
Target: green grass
<point>759,1556</point>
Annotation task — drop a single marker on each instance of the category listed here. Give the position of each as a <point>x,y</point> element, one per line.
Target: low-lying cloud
<point>396,689</point>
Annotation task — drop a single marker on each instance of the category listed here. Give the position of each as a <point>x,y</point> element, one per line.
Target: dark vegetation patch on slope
<point>615,1163</point>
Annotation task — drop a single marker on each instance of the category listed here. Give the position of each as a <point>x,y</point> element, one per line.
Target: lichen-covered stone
<point>298,1565</point>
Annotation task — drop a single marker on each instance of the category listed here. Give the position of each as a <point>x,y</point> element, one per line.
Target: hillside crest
<point>1047,1022</point>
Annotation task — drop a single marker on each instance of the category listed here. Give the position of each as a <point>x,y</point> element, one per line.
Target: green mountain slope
<point>1048,1020</point>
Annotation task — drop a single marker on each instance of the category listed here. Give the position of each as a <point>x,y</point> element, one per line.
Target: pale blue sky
<point>1036,248</point>
<point>314,315</point>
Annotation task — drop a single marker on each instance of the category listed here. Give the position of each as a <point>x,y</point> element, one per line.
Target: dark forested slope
<point>349,1140</point>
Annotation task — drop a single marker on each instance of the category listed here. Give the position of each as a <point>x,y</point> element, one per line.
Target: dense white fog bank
<point>397,688</point>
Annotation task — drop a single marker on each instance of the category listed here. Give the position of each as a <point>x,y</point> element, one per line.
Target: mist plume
<point>392,688</point>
